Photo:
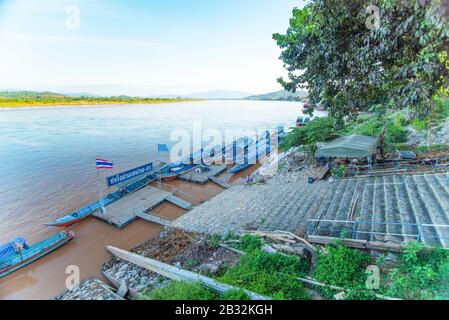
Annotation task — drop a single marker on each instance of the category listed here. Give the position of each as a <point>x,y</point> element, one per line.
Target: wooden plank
<point>322,173</point>
<point>277,236</point>
<point>314,282</point>
<point>174,273</point>
<point>355,243</point>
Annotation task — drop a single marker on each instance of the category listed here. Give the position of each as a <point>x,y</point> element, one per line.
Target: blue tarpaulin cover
<point>162,148</point>
<point>10,247</point>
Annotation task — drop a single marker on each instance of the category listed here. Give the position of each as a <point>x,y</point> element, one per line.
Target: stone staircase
<point>389,208</point>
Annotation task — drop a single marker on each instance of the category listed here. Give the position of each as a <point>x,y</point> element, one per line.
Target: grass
<point>272,275</point>
<point>344,267</point>
<point>180,290</point>
<point>419,273</point>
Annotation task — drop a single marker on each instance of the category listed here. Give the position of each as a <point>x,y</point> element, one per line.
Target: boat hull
<point>37,251</point>
<point>67,221</point>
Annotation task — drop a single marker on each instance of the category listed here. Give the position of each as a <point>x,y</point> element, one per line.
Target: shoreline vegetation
<point>24,99</point>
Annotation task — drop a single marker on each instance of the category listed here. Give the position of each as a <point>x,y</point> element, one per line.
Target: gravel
<point>90,289</point>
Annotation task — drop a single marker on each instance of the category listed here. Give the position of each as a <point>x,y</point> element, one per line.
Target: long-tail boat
<point>12,258</point>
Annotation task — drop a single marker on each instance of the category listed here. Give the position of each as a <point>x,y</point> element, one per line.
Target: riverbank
<point>6,104</point>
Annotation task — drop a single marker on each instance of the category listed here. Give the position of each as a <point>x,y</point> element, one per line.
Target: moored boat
<point>174,172</point>
<point>70,219</point>
<point>13,258</point>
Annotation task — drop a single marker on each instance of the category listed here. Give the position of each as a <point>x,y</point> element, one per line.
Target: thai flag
<point>104,164</point>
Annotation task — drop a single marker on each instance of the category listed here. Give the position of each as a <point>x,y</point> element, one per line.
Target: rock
<point>340,296</point>
<point>269,249</point>
<point>209,268</point>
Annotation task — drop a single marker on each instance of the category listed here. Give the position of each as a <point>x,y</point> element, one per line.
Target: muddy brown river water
<point>47,170</point>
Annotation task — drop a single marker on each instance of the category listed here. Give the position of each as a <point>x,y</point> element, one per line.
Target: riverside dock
<point>138,205</point>
<point>202,176</point>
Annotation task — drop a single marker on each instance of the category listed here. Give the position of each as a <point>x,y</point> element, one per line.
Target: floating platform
<point>139,204</point>
<point>204,176</point>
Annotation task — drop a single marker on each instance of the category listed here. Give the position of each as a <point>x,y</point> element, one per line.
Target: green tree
<point>348,65</point>
<point>309,136</point>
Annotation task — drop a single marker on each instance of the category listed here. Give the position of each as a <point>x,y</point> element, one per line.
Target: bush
<point>419,124</point>
<point>319,130</point>
<point>421,274</point>
<point>249,243</point>
<point>395,133</point>
<point>338,171</point>
<point>371,127</point>
<point>273,275</point>
<point>342,266</point>
<point>177,290</point>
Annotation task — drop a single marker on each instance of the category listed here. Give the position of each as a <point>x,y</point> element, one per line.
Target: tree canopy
<point>353,54</point>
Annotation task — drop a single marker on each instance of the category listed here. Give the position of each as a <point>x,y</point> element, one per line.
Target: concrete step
<point>292,198</point>
<point>297,216</point>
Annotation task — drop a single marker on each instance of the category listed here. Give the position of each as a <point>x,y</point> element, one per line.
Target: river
<point>47,169</point>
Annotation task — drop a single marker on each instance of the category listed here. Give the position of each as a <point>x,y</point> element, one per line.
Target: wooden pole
<point>320,284</point>
<point>100,198</point>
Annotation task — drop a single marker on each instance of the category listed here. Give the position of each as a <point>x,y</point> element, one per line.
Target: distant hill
<point>219,94</point>
<point>18,94</point>
<point>281,95</point>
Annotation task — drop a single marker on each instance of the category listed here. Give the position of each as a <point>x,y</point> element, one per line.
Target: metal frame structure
<point>352,227</point>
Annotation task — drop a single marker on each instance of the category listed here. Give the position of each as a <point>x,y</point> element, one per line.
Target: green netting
<point>353,146</point>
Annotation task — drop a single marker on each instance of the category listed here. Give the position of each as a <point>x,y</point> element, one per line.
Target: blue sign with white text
<point>124,176</point>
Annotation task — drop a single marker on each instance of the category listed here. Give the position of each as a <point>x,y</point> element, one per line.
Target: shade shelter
<point>353,146</point>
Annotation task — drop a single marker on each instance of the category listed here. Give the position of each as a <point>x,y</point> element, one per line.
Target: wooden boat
<point>14,261</point>
<point>83,213</point>
<point>70,219</point>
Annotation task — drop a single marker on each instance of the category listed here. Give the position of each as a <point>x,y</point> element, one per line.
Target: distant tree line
<point>30,98</point>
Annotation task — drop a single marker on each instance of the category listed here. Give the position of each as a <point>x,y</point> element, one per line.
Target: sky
<point>142,47</point>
